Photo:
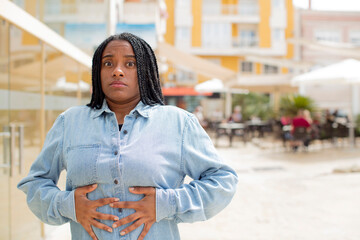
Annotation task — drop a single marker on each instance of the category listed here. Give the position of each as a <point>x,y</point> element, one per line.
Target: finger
<point>129,204</point>
<point>132,227</point>
<point>131,218</point>
<point>104,216</point>
<point>145,230</point>
<point>90,231</point>
<point>86,189</point>
<point>104,201</point>
<point>142,190</point>
<point>100,225</point>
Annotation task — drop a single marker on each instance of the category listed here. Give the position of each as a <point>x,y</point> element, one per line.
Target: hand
<point>86,210</point>
<point>145,211</point>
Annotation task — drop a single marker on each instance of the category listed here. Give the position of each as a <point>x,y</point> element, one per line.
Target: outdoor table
<point>231,130</point>
<point>259,126</point>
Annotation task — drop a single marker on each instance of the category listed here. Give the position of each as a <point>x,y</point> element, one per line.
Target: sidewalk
<point>282,196</point>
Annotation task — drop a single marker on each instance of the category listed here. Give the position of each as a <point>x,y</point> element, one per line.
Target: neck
<point>122,109</point>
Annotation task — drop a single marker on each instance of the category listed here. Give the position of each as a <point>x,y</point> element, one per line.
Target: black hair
<point>147,71</point>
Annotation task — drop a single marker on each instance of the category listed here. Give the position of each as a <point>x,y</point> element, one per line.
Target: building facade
<point>245,36</point>
<point>225,32</point>
<point>330,37</point>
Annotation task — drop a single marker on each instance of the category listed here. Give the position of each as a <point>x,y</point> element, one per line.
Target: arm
<point>47,201</point>
<point>44,198</point>
<point>213,184</point>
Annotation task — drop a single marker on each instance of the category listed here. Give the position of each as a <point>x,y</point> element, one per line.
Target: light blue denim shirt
<point>157,146</point>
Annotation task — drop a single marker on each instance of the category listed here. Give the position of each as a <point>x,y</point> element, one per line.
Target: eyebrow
<point>110,55</point>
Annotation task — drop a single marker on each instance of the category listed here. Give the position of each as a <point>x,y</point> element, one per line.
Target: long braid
<point>147,71</point>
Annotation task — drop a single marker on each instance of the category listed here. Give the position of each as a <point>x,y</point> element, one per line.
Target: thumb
<point>88,188</point>
<point>142,190</point>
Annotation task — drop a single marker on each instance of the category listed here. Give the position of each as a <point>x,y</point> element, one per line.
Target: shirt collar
<point>141,109</point>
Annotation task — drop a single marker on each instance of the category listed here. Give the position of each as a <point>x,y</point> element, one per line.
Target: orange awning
<point>183,91</point>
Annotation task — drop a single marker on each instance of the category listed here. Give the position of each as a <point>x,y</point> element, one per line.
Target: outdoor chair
<point>326,133</point>
<point>341,132</point>
<point>300,137</point>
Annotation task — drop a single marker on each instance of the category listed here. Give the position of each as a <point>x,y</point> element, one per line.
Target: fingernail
<point>94,185</point>
<point>131,189</point>
<point>116,199</point>
<point>116,218</point>
<point>122,233</point>
<point>111,205</point>
<point>114,225</point>
<point>109,230</point>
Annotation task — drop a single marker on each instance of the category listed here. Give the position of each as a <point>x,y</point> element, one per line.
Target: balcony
<point>238,42</point>
<point>243,12</point>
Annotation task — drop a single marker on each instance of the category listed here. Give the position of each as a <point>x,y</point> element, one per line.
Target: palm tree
<point>254,104</point>
<point>290,104</point>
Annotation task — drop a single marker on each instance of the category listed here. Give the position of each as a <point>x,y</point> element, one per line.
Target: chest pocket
<point>81,164</point>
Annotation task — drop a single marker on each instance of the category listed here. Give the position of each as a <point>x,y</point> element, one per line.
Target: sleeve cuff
<point>165,204</point>
<point>67,205</point>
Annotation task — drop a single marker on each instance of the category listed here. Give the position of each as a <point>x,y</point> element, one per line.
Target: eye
<point>107,64</point>
<point>130,64</point>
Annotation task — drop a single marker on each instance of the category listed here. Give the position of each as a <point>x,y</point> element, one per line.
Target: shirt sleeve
<point>213,185</point>
<point>44,198</point>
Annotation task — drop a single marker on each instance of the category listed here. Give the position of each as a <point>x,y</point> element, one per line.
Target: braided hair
<point>147,71</point>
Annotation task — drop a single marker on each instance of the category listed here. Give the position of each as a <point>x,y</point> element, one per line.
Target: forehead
<point>118,46</point>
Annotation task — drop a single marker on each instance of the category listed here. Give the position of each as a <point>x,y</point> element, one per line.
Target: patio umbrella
<point>212,85</point>
<point>346,72</point>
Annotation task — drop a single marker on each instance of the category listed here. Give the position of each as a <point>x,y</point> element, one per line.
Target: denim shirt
<point>157,146</point>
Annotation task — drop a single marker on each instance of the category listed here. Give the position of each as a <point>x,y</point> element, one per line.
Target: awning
<point>194,63</point>
<point>337,49</point>
<point>15,15</point>
<point>287,63</point>
<point>264,83</point>
<point>183,91</point>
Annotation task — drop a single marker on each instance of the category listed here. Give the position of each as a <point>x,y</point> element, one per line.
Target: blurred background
<point>274,78</point>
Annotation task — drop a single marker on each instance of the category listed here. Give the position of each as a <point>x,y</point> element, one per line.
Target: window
<point>185,76</point>
<point>278,4</point>
<point>270,69</point>
<point>247,38</point>
<point>354,37</point>
<point>216,35</point>
<point>246,67</point>
<point>248,7</point>
<point>328,35</point>
<point>211,7</point>
<point>278,34</point>
<point>183,37</point>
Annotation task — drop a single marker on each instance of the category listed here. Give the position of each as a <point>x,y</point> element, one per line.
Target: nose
<point>118,72</point>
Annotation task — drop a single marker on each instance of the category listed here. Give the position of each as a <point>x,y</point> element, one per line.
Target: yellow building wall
<point>27,38</point>
<point>170,23</point>
<point>230,62</point>
<point>264,25</point>
<point>234,30</point>
<point>258,67</point>
<point>196,28</point>
<point>289,31</point>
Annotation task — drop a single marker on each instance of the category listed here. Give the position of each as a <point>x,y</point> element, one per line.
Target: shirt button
<point>125,132</point>
<point>116,153</point>
<point>116,181</point>
<point>120,210</point>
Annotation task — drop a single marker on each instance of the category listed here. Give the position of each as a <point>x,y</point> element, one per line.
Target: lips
<point>117,84</point>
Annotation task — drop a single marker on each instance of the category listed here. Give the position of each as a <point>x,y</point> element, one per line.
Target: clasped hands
<point>145,211</point>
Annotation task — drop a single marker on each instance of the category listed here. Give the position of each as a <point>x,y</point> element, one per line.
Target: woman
<point>126,156</point>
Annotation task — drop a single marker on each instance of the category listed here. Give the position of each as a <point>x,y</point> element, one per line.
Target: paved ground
<point>282,196</point>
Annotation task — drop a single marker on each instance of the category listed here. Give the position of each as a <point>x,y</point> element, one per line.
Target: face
<point>119,73</point>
